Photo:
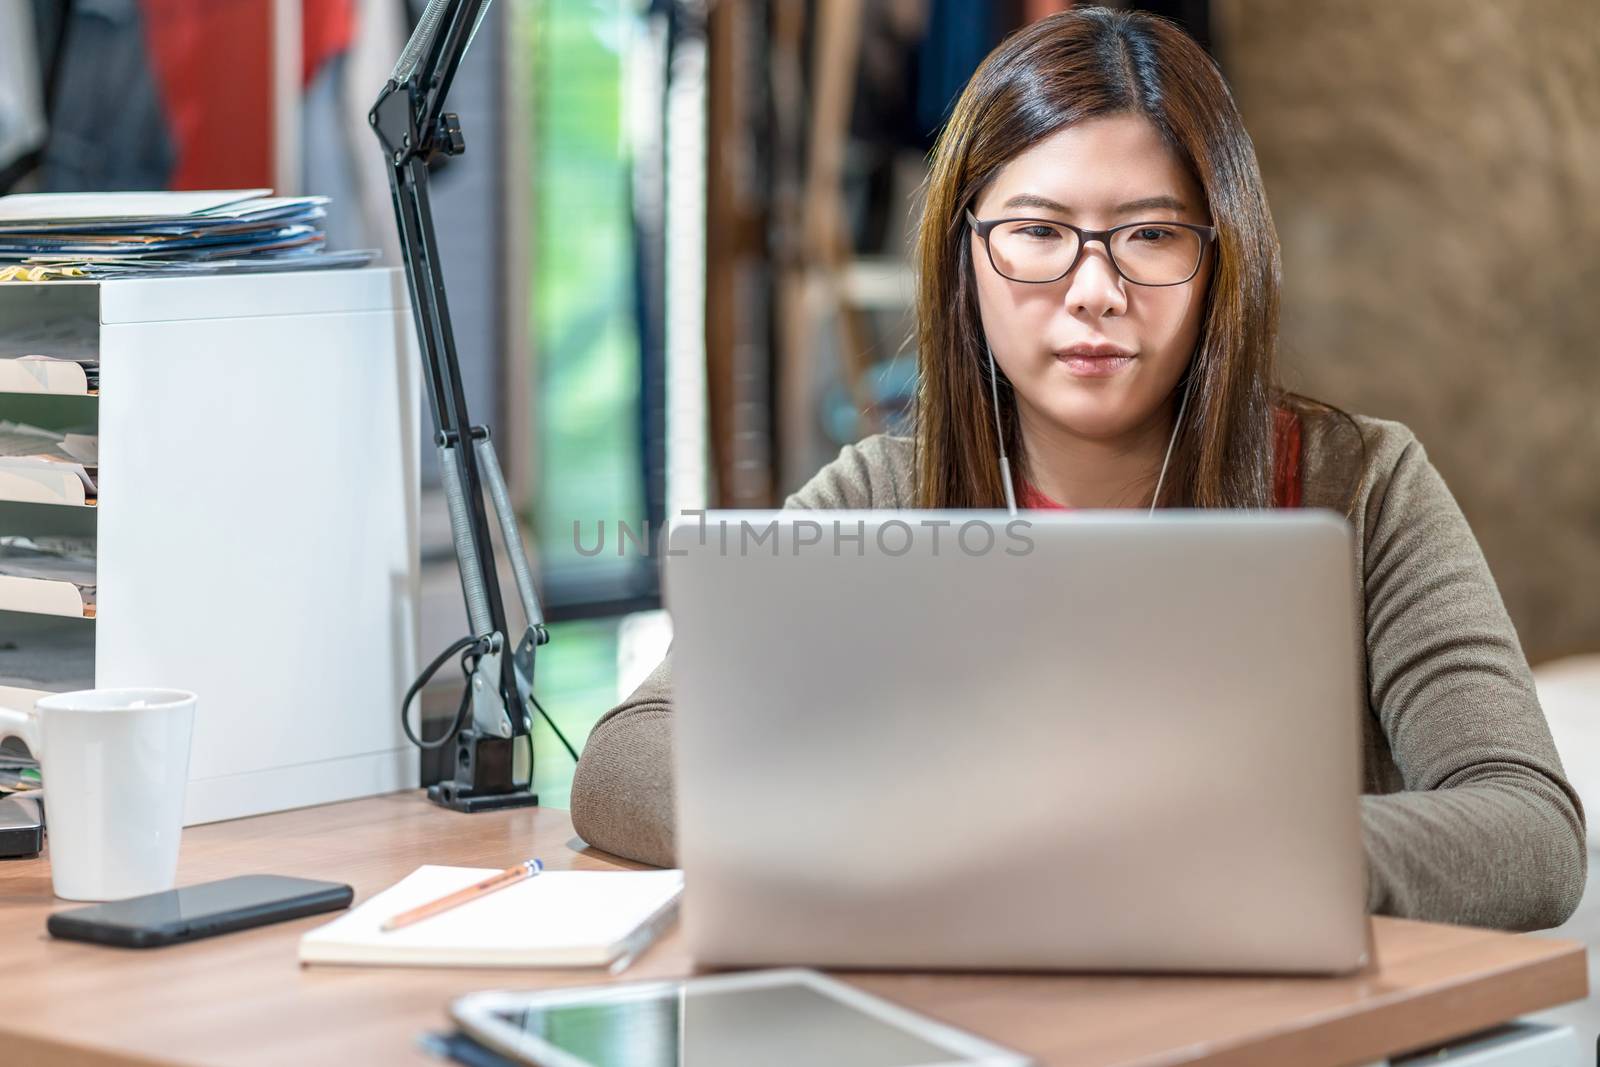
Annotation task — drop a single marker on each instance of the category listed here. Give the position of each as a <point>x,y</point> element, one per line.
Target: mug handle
<point>24,727</point>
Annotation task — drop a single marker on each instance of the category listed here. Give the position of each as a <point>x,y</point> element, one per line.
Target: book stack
<point>46,236</point>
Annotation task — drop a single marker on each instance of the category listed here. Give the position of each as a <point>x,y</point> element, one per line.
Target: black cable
<point>471,646</point>
<point>559,735</point>
<point>472,649</point>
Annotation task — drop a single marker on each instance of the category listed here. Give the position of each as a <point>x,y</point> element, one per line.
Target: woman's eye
<point>1043,233</point>
<point>1151,234</point>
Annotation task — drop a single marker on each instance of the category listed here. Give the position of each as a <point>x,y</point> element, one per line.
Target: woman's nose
<point>1094,287</point>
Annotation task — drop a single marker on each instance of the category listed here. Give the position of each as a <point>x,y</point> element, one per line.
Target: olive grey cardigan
<point>1468,817</point>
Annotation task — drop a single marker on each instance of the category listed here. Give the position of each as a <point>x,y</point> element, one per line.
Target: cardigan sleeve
<point>1486,830</point>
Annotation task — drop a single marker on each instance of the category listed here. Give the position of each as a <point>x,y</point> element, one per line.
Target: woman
<point>1096,259</point>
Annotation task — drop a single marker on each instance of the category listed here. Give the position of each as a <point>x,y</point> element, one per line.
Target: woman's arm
<point>622,793</point>
<point>622,798</point>
<point>1488,831</point>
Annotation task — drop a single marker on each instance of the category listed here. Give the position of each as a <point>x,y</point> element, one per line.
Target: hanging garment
<point>213,62</point>
<point>327,29</point>
<point>960,35</point>
<point>22,126</point>
<point>108,130</point>
<point>382,27</point>
<point>350,47</point>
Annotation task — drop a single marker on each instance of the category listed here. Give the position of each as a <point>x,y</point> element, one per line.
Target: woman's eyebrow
<point>1147,203</point>
<point>1150,203</point>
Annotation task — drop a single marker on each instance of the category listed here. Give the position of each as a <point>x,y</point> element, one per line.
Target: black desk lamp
<point>497,705</point>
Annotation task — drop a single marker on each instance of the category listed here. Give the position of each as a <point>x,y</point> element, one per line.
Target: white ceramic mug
<point>115,764</point>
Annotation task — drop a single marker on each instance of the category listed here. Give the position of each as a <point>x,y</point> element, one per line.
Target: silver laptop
<point>1089,741</point>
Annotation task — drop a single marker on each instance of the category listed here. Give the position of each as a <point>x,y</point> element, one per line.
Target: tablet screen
<point>722,1026</point>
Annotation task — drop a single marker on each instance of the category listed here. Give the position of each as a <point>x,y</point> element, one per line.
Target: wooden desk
<point>242,999</point>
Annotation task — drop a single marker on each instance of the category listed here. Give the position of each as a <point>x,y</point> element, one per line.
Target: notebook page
<point>554,917</point>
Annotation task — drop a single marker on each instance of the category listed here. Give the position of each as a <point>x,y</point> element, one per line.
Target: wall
<point>1434,172</point>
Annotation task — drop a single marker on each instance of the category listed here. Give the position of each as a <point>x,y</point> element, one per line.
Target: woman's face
<point>1097,174</point>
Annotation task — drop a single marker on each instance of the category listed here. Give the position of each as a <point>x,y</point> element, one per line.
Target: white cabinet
<point>256,526</point>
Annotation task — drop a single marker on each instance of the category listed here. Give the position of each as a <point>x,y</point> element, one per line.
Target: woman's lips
<point>1094,363</point>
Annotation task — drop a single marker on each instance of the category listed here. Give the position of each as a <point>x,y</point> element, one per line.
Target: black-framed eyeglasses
<point>1038,251</point>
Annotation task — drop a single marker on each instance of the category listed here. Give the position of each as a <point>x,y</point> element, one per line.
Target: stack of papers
<point>107,235</point>
<point>51,354</point>
<point>44,467</point>
<point>67,560</point>
<point>49,374</point>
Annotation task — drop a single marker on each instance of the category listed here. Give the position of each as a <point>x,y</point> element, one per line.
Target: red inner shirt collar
<point>1286,479</point>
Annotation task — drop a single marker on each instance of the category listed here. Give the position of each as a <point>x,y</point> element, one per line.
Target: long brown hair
<point>1066,68</point>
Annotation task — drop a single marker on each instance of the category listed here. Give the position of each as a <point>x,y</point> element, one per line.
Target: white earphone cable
<point>1005,463</point>
<point>1176,423</point>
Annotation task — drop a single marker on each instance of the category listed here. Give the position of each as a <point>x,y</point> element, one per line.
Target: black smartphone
<point>199,911</point>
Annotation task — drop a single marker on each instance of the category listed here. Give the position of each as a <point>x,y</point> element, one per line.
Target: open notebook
<point>555,919</point>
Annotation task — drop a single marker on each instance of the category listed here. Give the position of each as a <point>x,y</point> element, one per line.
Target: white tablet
<point>782,1018</point>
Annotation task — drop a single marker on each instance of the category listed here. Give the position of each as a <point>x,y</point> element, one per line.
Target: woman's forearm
<point>622,797</point>
<point>1503,850</point>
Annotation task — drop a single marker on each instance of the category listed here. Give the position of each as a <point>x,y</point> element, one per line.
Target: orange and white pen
<point>509,876</point>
